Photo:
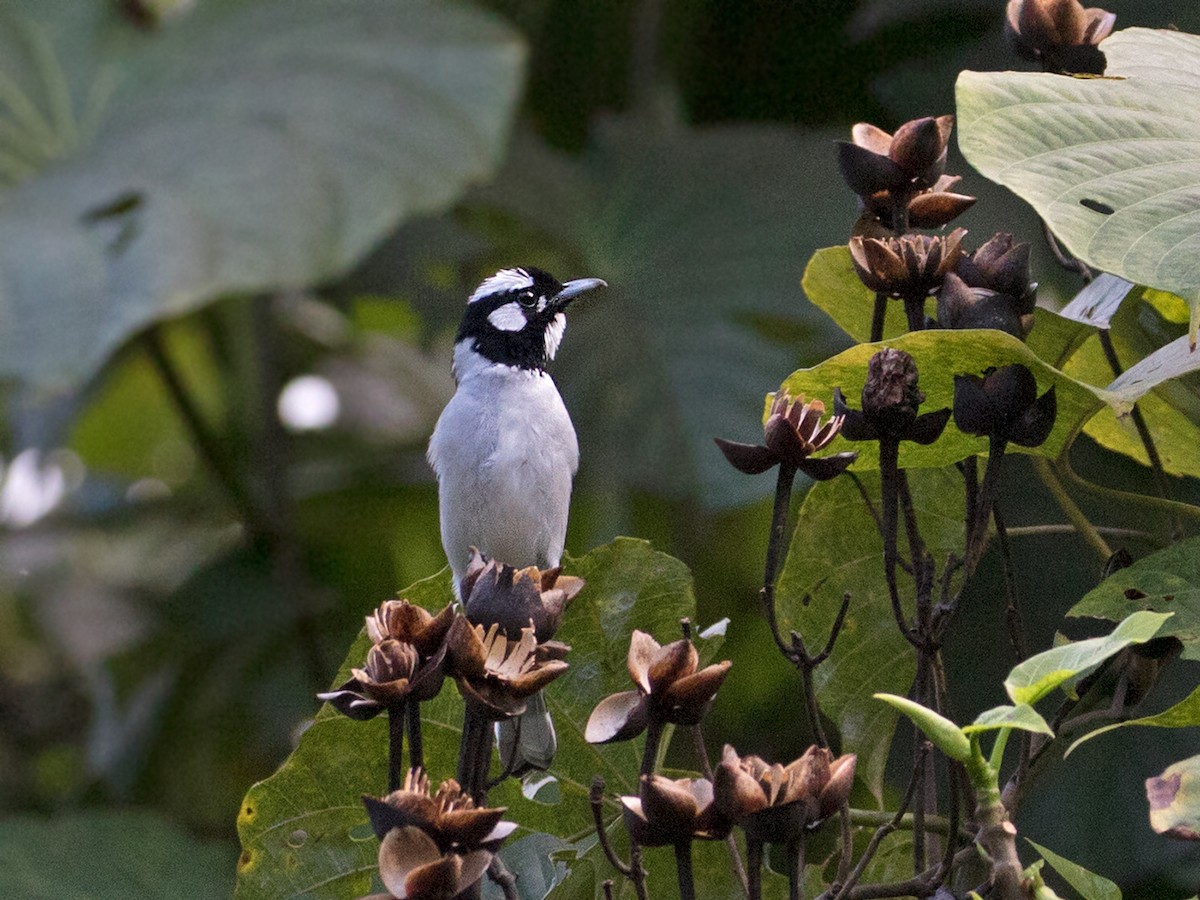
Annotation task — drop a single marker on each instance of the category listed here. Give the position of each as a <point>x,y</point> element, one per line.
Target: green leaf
<point>1090,885</point>
<point>245,147</point>
<point>944,734</point>
<point>317,790</point>
<point>532,859</point>
<point>1022,717</point>
<point>696,232</point>
<point>833,286</point>
<point>1174,798</point>
<point>836,549</point>
<point>1123,143</point>
<point>1167,582</point>
<point>109,855</point>
<point>940,355</point>
<point>1184,714</point>
<point>1171,410</point>
<point>1037,676</point>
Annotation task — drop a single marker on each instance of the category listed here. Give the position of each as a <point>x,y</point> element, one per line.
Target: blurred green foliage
<point>167,608</point>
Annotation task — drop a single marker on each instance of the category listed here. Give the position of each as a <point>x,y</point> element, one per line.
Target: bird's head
<point>517,316</point>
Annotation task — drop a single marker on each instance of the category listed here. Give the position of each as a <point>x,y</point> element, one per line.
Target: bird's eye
<point>527,300</point>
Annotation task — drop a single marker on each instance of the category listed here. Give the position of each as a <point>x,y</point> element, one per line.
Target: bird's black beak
<point>573,289</point>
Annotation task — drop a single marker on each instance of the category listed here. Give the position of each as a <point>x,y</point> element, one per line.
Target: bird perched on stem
<point>504,449</point>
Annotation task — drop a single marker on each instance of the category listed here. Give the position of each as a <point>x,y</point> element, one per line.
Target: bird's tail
<point>528,741</point>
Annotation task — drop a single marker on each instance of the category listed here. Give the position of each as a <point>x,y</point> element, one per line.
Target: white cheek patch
<point>554,334</point>
<point>508,317</point>
<point>503,281</point>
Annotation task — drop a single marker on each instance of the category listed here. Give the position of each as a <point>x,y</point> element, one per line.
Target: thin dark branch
<point>847,854</point>
<point>650,752</point>
<point>889,451</point>
<point>795,863</point>
<point>397,720</point>
<point>269,456</point>
<point>988,491</point>
<point>862,491</point>
<point>970,472</point>
<point>834,632</point>
<point>844,890</point>
<point>914,311</point>
<point>1065,259</point>
<point>637,872</point>
<point>511,763</point>
<point>416,745</point>
<point>735,856</point>
<point>503,878</point>
<point>596,800</point>
<point>683,869</point>
<point>754,862</point>
<point>776,545</point>
<point>1161,485</point>
<point>1012,615</point>
<point>916,546</point>
<point>209,445</point>
<point>878,317</point>
<point>810,703</point>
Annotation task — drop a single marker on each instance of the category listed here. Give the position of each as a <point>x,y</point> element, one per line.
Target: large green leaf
<point>1035,677</point>
<point>107,855</point>
<point>1068,342</point>
<point>940,355</point>
<point>1110,163</point>
<point>1167,582</point>
<point>1184,714</point>
<point>242,147</point>
<point>834,287</point>
<point>304,828</point>
<point>836,549</point>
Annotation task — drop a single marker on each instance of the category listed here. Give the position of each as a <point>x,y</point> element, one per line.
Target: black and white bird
<point>504,449</point>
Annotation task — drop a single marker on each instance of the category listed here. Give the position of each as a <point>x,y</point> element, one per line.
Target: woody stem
<point>879,316</point>
<point>754,861</point>
<point>650,754</point>
<point>397,716</point>
<point>416,751</point>
<point>683,866</point>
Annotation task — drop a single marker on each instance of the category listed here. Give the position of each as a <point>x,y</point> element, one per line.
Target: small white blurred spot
<point>308,403</point>
<point>30,489</point>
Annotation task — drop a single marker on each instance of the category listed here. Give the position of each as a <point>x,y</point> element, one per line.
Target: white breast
<point>505,453</point>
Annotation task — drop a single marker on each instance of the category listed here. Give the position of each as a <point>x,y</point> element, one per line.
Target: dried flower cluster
<point>793,432</point>
<point>433,845</point>
<point>776,803</point>
<point>1060,34</point>
<point>890,401</point>
<point>669,812</point>
<point>406,661</point>
<point>671,689</point>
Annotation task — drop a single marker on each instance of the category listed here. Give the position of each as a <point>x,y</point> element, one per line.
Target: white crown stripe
<point>504,280</point>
